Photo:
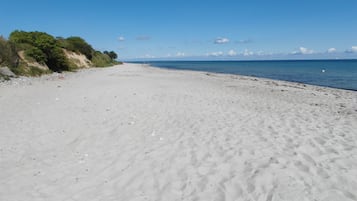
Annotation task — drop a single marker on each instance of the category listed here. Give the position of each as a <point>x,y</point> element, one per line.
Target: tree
<point>111,54</point>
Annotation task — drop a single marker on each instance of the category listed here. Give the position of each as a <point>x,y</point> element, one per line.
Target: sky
<point>195,30</point>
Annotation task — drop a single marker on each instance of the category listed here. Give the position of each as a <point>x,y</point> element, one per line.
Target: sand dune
<point>139,133</point>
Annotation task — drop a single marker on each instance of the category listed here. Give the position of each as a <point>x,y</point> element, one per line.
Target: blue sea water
<point>330,73</point>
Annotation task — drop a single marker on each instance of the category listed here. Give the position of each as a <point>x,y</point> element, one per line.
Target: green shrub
<point>8,54</point>
<point>101,60</point>
<point>41,40</point>
<point>20,37</point>
<point>25,70</point>
<point>22,46</point>
<point>46,49</point>
<point>62,42</point>
<point>4,77</point>
<point>35,71</point>
<point>36,54</point>
<point>57,61</point>
<point>43,48</point>
<point>79,45</point>
<point>72,66</point>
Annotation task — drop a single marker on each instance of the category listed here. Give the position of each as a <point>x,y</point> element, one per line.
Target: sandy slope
<point>139,133</point>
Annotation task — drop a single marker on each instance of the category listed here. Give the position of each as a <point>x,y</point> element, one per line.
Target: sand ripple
<point>140,133</point>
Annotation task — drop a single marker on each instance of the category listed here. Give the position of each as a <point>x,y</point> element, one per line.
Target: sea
<point>340,74</point>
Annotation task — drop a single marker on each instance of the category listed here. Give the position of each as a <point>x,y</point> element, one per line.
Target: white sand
<point>140,133</point>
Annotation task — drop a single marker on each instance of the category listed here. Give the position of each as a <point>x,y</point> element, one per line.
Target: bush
<point>79,45</point>
<point>25,70</point>
<point>57,60</point>
<point>101,60</point>
<point>35,71</point>
<point>42,47</point>
<point>8,54</point>
<point>20,37</point>
<point>36,54</point>
<point>41,40</point>
<point>4,78</point>
<point>48,50</point>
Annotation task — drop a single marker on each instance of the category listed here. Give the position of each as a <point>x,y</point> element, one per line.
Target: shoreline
<point>134,132</point>
<point>250,77</point>
<point>55,74</point>
<point>316,78</point>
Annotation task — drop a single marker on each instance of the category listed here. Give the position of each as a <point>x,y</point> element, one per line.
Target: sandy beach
<point>138,133</point>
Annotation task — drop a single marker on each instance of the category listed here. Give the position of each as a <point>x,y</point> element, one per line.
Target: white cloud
<point>215,54</point>
<point>180,54</point>
<point>247,53</point>
<point>220,40</point>
<point>232,53</point>
<point>352,50</point>
<point>303,50</point>
<point>121,38</point>
<point>331,50</point>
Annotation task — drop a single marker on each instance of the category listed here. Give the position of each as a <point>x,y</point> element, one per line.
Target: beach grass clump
<point>35,71</point>
<point>24,70</point>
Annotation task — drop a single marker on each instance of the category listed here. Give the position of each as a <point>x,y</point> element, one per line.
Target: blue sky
<point>211,29</point>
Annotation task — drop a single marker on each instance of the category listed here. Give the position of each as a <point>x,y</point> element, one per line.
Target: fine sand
<point>134,132</point>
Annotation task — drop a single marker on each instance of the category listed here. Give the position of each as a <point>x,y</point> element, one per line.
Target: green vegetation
<point>78,45</point>
<point>36,54</point>
<point>30,71</point>
<point>100,60</point>
<point>4,77</point>
<point>8,54</point>
<point>42,47</point>
<point>46,50</point>
<point>111,54</point>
